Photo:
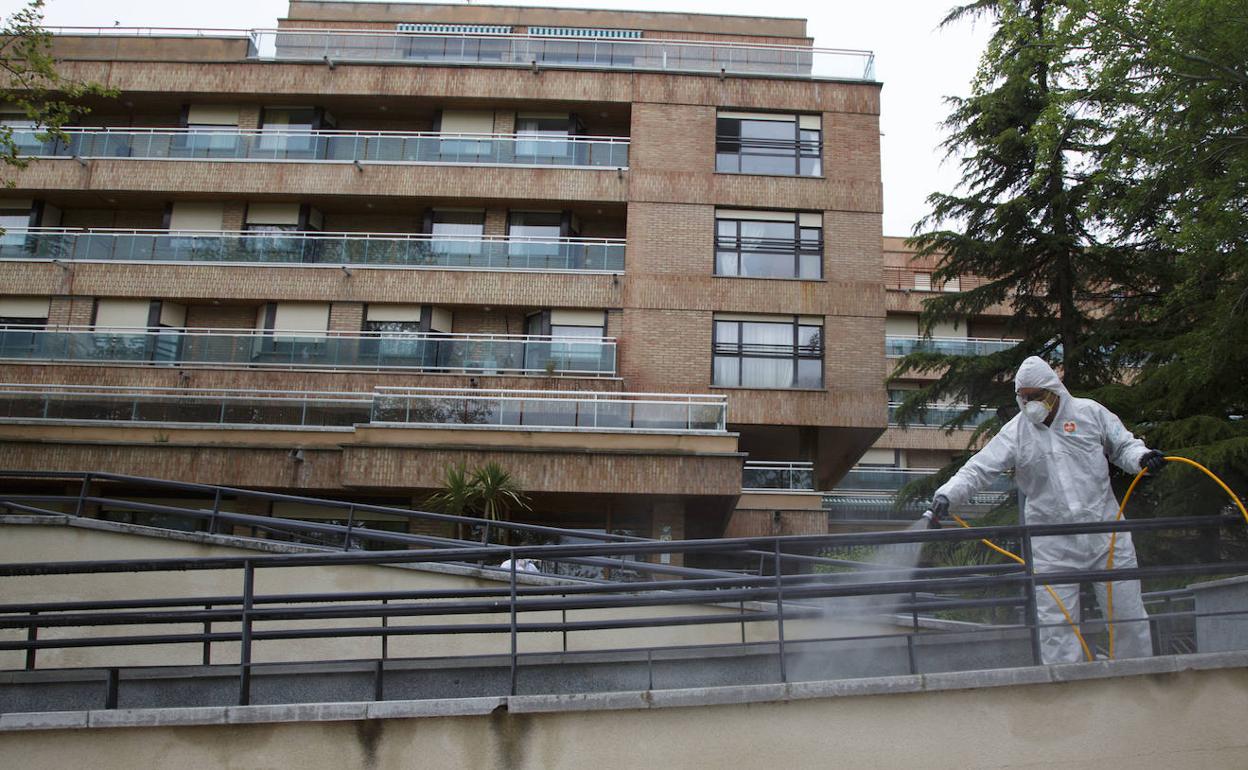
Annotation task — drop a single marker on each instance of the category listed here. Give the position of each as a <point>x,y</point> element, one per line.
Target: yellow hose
<point>1071,621</point>
<point>1113,538</point>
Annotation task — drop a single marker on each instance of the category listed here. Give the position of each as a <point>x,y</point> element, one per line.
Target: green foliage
<point>1104,153</point>
<point>497,492</point>
<point>30,83</point>
<point>489,492</point>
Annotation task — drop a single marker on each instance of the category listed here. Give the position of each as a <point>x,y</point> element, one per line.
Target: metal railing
<point>194,406</point>
<point>492,50</point>
<point>763,475</point>
<point>896,346</point>
<point>484,354</point>
<point>407,250</point>
<point>996,600</point>
<point>936,415</point>
<point>552,409</point>
<point>382,147</point>
<point>909,279</point>
<point>443,407</point>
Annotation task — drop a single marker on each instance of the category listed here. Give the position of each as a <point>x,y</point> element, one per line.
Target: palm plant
<point>498,492</point>
<point>488,491</point>
<point>459,495</point>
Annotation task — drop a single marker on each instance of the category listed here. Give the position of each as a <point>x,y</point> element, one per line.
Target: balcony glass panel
<point>898,346</point>
<point>477,252</point>
<point>938,414</point>
<point>525,51</point>
<point>333,146</point>
<point>550,409</point>
<point>477,354</point>
<point>794,476</point>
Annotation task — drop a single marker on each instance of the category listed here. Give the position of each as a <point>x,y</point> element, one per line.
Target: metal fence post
<point>32,635</point>
<point>207,642</point>
<point>385,638</point>
<point>216,508</point>
<point>784,676</point>
<point>82,494</point>
<point>346,538</point>
<point>511,555</point>
<point>113,685</point>
<point>1033,617</point>
<point>244,676</point>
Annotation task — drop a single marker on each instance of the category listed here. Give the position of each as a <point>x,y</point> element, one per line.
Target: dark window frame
<point>797,247</point>
<point>795,352</point>
<point>729,141</point>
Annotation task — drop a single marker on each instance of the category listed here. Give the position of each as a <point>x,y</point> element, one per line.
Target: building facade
<point>618,253</point>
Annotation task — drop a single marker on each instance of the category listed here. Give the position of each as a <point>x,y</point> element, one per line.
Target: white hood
<point>1036,373</point>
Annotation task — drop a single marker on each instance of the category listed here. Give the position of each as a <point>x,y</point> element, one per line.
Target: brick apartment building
<point>619,253</point>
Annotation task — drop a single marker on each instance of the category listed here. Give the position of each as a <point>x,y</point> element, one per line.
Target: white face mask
<point>1035,411</point>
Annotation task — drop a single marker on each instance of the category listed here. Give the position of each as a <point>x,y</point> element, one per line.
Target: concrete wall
<point>1080,716</point>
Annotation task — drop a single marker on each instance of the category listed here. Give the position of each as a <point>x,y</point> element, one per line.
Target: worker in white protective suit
<point>1059,448</point>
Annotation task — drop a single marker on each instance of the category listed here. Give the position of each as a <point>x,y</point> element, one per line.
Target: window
<point>286,132</point>
<point>534,237</point>
<point>543,136</point>
<point>763,143</point>
<point>779,353</point>
<point>768,244</point>
<point>456,233</point>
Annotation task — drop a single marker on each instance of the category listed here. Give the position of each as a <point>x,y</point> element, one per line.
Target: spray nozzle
<point>932,521</point>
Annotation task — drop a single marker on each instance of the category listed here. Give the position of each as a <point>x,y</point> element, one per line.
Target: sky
<point>918,63</point>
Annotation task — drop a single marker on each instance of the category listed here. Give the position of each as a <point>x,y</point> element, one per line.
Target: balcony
<point>185,406</point>
<point>936,415</point>
<point>399,250</point>
<point>481,354</point>
<point>898,346</point>
<point>383,147</point>
<point>551,410</point>
<point>778,476</point>
<point>550,52</point>
<point>402,407</point>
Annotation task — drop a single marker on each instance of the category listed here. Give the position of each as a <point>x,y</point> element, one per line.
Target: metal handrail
<point>454,408</point>
<point>519,49</point>
<point>191,331</point>
<point>317,249</point>
<point>886,594</point>
<point>266,133</point>
<point>233,144</point>
<point>309,234</point>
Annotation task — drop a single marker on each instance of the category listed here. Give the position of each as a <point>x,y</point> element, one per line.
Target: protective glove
<point>1153,460</point>
<point>940,509</point>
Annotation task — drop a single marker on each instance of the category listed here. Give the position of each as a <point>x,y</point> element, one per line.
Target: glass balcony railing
<point>898,346</point>
<point>375,249</point>
<point>551,409</point>
<point>871,493</point>
<point>459,353</point>
<point>184,406</point>
<point>327,146</point>
<point>791,476</point>
<point>938,414</point>
<point>495,50</point>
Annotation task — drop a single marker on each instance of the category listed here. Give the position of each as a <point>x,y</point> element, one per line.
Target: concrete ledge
<point>624,701</point>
